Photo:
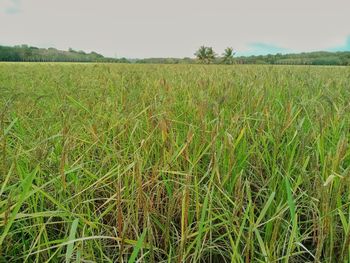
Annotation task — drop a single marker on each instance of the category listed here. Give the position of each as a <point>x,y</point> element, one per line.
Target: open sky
<point>169,28</point>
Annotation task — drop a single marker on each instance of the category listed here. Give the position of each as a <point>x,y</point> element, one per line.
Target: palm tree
<point>201,54</point>
<point>205,54</point>
<point>210,55</point>
<point>227,56</point>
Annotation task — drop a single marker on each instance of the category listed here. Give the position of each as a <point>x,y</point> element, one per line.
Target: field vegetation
<point>174,163</point>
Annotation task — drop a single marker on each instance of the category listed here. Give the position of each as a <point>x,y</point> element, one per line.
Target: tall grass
<point>187,163</point>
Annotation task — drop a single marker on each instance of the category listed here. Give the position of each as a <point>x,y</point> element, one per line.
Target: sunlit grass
<point>118,163</point>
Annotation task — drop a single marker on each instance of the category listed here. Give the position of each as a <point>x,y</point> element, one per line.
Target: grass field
<point>174,163</point>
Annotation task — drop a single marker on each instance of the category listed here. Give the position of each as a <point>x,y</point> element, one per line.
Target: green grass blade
<point>138,246</point>
<point>70,246</point>
<point>25,186</point>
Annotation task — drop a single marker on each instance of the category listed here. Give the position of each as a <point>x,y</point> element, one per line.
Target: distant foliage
<point>310,58</point>
<point>205,54</point>
<point>228,57</point>
<point>34,54</point>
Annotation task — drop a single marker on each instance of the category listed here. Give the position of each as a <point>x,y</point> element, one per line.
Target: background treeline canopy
<point>28,53</point>
<point>311,58</point>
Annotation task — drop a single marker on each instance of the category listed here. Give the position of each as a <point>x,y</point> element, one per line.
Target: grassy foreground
<point>119,163</point>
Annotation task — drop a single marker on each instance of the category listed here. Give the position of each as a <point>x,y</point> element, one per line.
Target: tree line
<point>207,55</point>
<point>340,58</point>
<point>204,55</point>
<point>34,54</point>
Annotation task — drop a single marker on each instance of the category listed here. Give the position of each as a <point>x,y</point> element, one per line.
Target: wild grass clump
<point>179,163</point>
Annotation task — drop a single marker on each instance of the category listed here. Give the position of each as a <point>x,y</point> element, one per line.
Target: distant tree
<point>201,54</point>
<point>227,56</point>
<point>211,55</point>
<point>205,54</point>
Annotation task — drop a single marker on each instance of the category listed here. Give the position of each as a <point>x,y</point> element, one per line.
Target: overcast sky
<point>176,28</point>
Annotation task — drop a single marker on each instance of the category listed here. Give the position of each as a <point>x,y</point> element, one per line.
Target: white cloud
<point>138,28</point>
